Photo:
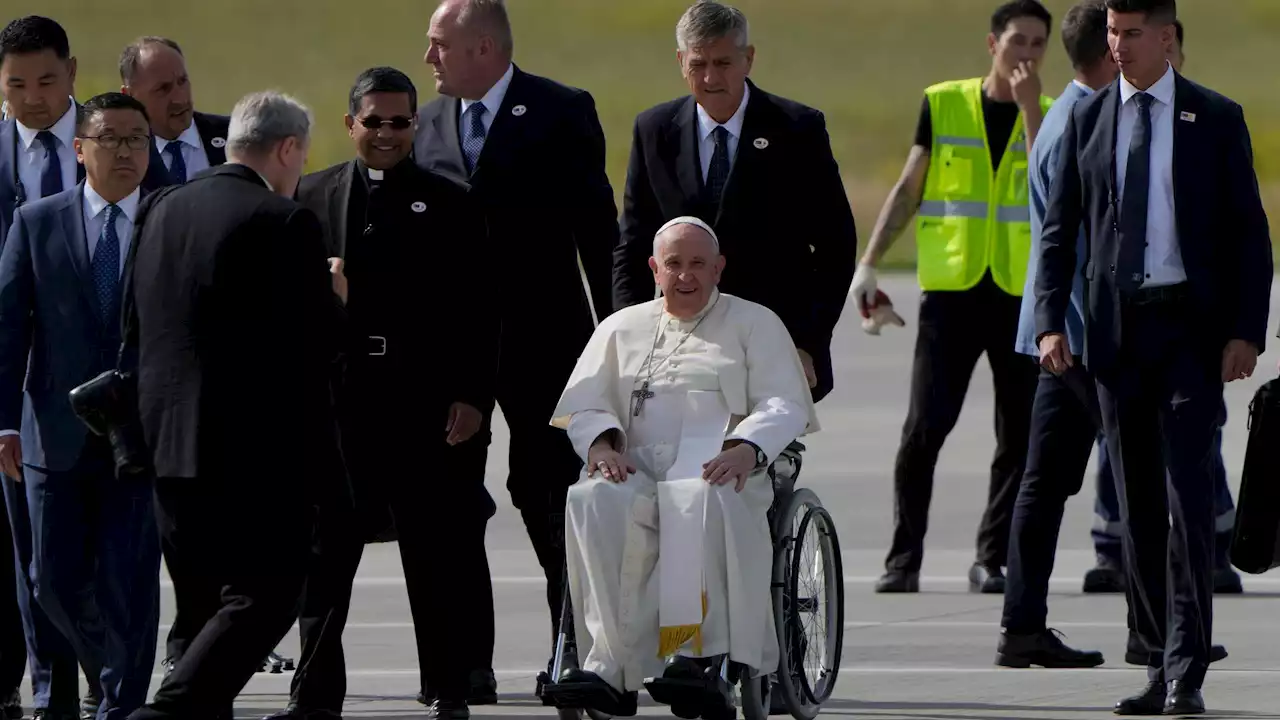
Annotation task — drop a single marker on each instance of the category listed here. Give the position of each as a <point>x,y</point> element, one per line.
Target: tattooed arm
<point>900,207</point>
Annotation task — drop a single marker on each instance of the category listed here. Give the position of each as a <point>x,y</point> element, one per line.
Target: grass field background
<point>864,63</point>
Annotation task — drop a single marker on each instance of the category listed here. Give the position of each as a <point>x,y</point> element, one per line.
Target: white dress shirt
<point>1163,258</point>
<point>492,101</point>
<point>193,153</point>
<point>31,154</point>
<point>95,216</point>
<point>707,144</point>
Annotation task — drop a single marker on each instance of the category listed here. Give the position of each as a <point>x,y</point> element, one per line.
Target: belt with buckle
<point>1158,294</point>
<point>377,345</point>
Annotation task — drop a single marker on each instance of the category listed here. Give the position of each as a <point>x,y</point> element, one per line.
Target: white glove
<point>864,289</point>
<point>881,314</point>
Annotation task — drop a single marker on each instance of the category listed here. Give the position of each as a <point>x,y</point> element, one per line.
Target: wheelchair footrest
<point>583,696</point>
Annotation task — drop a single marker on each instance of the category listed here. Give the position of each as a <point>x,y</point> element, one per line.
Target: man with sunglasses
<point>96,559</point>
<point>408,243</point>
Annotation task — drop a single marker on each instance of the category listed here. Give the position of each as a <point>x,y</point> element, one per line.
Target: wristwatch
<point>761,460</point>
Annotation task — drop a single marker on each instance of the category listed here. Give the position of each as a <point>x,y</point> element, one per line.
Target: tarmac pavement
<point>915,657</point>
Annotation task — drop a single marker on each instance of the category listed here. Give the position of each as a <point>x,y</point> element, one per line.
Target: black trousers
<point>1065,421</point>
<point>955,329</point>
<point>238,593</point>
<point>440,508</point>
<point>13,644</point>
<point>1161,407</point>
<point>541,460</point>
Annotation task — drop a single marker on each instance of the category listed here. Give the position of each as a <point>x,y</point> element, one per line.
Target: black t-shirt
<point>999,118</point>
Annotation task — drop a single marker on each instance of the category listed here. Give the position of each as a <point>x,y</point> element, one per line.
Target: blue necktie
<point>106,266</point>
<point>51,174</point>
<point>473,143</point>
<point>718,171</point>
<point>1131,258</point>
<point>177,166</point>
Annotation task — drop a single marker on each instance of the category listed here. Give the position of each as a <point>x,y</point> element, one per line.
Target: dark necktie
<point>718,172</point>
<point>1130,264</point>
<point>177,166</point>
<point>106,266</point>
<point>51,174</point>
<point>473,142</point>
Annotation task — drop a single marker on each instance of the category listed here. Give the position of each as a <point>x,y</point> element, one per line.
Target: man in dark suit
<point>532,151</point>
<point>748,163</point>
<point>37,159</point>
<point>96,568</point>
<point>391,221</point>
<point>184,141</point>
<point>1178,281</point>
<point>236,326</point>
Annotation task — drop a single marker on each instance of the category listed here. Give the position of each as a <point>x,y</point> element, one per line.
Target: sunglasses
<point>399,122</point>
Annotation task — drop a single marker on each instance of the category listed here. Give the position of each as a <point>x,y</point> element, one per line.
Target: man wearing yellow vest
<point>965,182</point>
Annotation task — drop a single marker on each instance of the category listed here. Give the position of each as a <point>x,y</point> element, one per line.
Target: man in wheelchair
<point>678,406</point>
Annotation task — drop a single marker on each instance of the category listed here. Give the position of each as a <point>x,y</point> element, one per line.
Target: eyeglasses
<point>399,122</point>
<point>112,142</point>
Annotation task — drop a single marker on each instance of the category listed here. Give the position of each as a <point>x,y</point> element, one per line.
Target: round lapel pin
<point>418,207</point>
<point>218,142</point>
<point>519,110</point>
<point>761,143</point>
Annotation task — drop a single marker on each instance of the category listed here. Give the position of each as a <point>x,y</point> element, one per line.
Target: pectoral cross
<point>640,396</point>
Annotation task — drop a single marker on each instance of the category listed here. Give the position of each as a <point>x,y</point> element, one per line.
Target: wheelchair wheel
<point>808,604</point>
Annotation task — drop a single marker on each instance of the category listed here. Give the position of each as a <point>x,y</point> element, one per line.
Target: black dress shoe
<point>483,690</point>
<point>293,712</point>
<point>1136,654</point>
<point>1148,702</point>
<point>1183,700</point>
<point>11,707</point>
<point>983,579</point>
<point>693,688</point>
<point>898,581</point>
<point>1105,577</point>
<point>1044,649</point>
<point>586,690</point>
<point>449,710</point>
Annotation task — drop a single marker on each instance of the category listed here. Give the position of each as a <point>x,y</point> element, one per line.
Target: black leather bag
<point>108,405</point>
<point>1255,542</point>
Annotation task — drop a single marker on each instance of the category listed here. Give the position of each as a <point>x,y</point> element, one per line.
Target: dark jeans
<point>1063,425</point>
<point>955,329</point>
<point>55,673</point>
<point>1107,527</point>
<point>96,569</point>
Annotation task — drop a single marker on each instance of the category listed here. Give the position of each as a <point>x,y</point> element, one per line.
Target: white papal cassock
<point>732,372</point>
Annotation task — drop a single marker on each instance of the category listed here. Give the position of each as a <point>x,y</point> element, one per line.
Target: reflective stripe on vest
<point>973,219</point>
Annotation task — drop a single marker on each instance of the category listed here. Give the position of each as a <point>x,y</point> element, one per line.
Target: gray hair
<point>706,21</point>
<point>261,120</point>
<point>685,220</point>
<point>488,17</point>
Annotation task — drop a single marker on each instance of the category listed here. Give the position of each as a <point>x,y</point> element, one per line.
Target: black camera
<point>108,405</point>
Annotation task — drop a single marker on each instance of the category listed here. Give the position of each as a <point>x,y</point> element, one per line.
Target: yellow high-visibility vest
<point>972,217</point>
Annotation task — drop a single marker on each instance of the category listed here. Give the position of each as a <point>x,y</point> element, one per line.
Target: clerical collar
<point>373,177</point>
<point>711,302</point>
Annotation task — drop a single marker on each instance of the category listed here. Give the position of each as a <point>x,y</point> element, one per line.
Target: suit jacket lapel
<point>445,124</point>
<point>74,235</point>
<point>753,126</point>
<point>8,171</point>
<point>1106,133</point>
<point>505,129</point>
<point>688,167</point>
<point>216,155</point>
<point>1185,100</point>
<point>157,173</point>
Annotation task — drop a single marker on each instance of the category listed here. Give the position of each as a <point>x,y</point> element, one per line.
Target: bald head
<point>470,46</point>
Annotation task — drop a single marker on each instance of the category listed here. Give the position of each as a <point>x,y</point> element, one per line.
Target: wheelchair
<point>808,611</point>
